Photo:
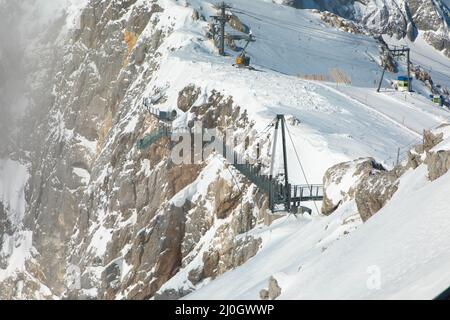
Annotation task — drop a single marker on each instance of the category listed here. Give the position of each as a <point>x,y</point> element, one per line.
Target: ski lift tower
<point>222,18</point>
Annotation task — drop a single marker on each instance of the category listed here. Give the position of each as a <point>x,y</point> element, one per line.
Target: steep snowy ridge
<point>399,18</point>
<point>401,252</point>
<point>97,217</point>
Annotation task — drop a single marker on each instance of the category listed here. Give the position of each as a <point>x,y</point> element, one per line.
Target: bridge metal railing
<point>307,191</point>
<point>153,137</point>
<point>276,190</point>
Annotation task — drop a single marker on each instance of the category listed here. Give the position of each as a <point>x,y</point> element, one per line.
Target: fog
<point>12,74</point>
<point>21,23</point>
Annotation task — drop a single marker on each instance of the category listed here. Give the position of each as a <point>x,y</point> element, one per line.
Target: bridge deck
<point>275,190</point>
<point>304,193</point>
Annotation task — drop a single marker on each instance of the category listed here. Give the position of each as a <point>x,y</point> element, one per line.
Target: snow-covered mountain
<point>427,19</point>
<point>401,252</point>
<point>85,213</point>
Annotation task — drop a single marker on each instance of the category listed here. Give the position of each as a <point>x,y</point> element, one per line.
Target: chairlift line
<point>243,60</point>
<point>284,24</point>
<point>316,54</point>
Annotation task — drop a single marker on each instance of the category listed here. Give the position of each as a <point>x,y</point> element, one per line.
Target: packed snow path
<point>408,110</point>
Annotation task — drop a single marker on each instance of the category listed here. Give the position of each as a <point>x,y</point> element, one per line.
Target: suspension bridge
<point>283,196</point>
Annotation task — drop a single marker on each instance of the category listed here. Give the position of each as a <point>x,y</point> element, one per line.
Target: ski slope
<point>337,123</point>
<point>436,63</point>
<point>297,42</point>
<point>403,252</point>
<point>409,110</point>
<point>333,127</point>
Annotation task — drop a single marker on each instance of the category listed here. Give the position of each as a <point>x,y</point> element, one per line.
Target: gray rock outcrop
<point>99,205</point>
<point>273,291</point>
<point>342,180</point>
<point>406,19</point>
<point>371,186</point>
<point>365,181</point>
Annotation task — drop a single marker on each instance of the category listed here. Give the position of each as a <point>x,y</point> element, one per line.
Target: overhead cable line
<point>297,27</point>
<point>300,163</point>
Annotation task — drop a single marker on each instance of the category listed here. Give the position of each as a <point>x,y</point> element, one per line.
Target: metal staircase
<point>164,130</point>
<point>165,116</point>
<point>153,137</point>
<point>282,196</point>
<point>279,195</point>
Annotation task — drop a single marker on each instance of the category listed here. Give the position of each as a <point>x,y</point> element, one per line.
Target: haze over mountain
<point>88,212</point>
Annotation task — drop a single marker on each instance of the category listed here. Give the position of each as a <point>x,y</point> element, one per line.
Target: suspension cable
<point>242,195</point>
<point>301,165</point>
<point>269,125</point>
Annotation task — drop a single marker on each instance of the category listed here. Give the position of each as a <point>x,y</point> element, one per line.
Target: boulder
<point>363,180</point>
<point>438,164</point>
<point>264,294</point>
<point>225,198</point>
<point>374,191</point>
<point>210,264</point>
<point>341,180</point>
<point>274,290</point>
<point>187,97</point>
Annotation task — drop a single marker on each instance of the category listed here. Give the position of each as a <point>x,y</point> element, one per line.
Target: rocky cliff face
<point>105,219</point>
<point>97,217</point>
<point>396,18</point>
<point>371,186</point>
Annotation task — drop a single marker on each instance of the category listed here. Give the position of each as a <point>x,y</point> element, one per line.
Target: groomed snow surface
<point>338,122</point>
<point>402,252</point>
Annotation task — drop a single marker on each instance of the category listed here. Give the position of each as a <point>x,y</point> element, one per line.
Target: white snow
<point>338,123</point>
<point>13,179</point>
<point>334,191</point>
<point>16,248</point>
<point>100,240</point>
<point>445,144</point>
<point>89,145</point>
<point>101,236</point>
<point>403,252</point>
<point>407,244</point>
